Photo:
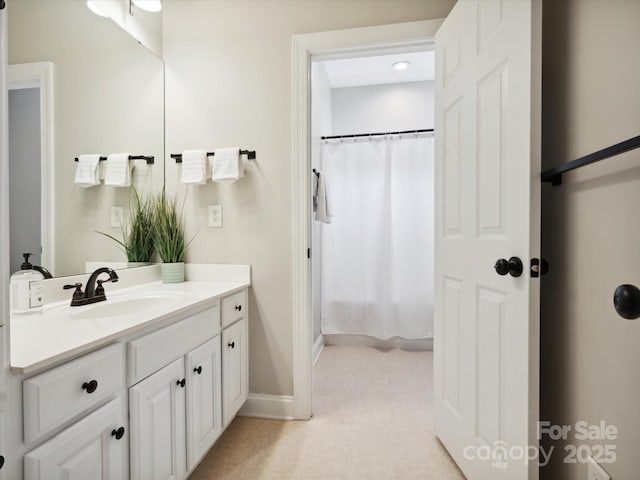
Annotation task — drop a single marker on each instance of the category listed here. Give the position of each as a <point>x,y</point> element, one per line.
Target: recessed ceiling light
<point>148,5</point>
<point>402,65</point>
<point>95,9</point>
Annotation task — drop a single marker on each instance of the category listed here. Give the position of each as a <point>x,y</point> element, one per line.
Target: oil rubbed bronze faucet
<point>93,293</point>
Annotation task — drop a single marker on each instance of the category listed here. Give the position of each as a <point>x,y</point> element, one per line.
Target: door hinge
<point>308,253</point>
<point>539,267</point>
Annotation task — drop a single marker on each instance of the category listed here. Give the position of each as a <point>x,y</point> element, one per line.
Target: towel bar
<point>251,155</point>
<point>149,159</point>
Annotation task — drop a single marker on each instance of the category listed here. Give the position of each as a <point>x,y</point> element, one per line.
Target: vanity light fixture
<point>401,65</point>
<point>147,5</point>
<point>95,9</point>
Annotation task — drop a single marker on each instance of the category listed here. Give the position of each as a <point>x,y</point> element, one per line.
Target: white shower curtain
<point>377,254</point>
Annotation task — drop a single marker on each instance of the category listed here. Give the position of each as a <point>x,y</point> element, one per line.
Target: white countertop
<point>61,332</point>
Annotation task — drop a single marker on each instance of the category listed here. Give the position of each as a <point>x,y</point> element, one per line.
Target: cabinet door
<point>234,369</point>
<point>157,417</point>
<point>90,449</point>
<point>204,399</point>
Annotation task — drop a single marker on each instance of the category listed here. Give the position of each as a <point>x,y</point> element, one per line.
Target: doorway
<point>372,234</point>
<point>30,120</point>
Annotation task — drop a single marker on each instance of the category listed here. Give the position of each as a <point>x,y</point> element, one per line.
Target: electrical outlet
<point>215,216</point>
<point>595,471</point>
<point>117,214</point>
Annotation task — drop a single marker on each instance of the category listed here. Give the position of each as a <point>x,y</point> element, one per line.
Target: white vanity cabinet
<point>94,448</point>
<point>235,355</point>
<point>204,399</point>
<point>157,418</point>
<point>176,412</point>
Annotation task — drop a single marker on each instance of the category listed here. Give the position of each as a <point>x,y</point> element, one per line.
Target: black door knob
<point>198,370</point>
<point>501,266</point>
<point>181,383</point>
<point>626,300</point>
<point>119,433</point>
<point>515,267</point>
<point>91,386</point>
<point>231,344</point>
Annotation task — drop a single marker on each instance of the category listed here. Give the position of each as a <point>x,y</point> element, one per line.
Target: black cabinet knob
<point>626,300</point>
<point>238,307</point>
<point>181,383</point>
<point>1,461</point>
<point>231,344</point>
<point>91,386</point>
<point>198,370</point>
<point>119,433</point>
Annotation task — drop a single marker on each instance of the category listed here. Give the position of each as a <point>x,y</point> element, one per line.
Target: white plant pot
<point>137,264</point>
<point>172,272</point>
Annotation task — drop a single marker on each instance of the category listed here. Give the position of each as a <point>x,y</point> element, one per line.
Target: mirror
<point>108,97</point>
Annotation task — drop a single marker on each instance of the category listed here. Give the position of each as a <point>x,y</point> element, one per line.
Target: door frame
<point>325,45</point>
<point>40,75</point>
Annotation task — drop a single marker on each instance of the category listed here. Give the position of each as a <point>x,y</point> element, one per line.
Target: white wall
<point>321,124</point>
<point>590,355</point>
<point>228,82</point>
<point>383,108</point>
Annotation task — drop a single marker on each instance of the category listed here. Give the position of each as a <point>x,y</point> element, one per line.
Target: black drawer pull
<point>198,370</point>
<point>181,383</point>
<point>91,386</point>
<point>119,433</point>
<point>238,307</point>
<point>231,344</point>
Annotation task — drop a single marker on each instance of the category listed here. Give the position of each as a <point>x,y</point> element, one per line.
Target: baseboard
<point>278,407</point>
<point>318,346</point>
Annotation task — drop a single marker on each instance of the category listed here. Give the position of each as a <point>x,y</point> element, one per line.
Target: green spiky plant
<point>168,229</point>
<point>137,238</point>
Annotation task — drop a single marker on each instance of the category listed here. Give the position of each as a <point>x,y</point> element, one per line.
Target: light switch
<point>215,216</point>
<point>117,214</point>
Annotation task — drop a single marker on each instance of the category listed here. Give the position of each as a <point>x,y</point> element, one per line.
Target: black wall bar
<point>357,135</point>
<point>149,160</point>
<point>251,155</point>
<point>554,175</point>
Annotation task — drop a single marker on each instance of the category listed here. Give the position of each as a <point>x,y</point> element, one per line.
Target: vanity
<point>139,386</point>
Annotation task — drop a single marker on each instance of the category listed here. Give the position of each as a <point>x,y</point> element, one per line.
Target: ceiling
<point>376,70</point>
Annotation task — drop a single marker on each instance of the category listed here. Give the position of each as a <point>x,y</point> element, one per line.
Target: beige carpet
<point>372,420</point>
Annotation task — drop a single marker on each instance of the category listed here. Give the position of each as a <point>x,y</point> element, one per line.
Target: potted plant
<point>168,237</point>
<point>137,237</point>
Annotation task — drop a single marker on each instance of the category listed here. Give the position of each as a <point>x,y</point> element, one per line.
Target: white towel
<point>87,171</point>
<point>227,164</point>
<point>194,166</point>
<point>321,202</point>
<point>118,170</point>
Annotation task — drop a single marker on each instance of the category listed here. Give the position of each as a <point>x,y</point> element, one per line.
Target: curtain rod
<point>356,135</point>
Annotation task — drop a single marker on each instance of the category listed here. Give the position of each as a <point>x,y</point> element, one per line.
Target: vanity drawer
<point>56,396</point>
<point>234,307</point>
<point>150,353</point>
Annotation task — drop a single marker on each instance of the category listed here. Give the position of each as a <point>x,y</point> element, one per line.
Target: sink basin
<point>127,305</point>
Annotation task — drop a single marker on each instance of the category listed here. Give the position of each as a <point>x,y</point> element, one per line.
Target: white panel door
<point>157,419</point>
<point>487,207</point>
<point>93,449</point>
<point>204,399</point>
<point>235,360</point>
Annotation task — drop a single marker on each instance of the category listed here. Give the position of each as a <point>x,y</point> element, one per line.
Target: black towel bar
<point>251,155</point>
<point>554,175</point>
<point>149,159</point>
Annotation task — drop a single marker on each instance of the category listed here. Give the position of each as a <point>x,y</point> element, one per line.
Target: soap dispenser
<point>26,289</point>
